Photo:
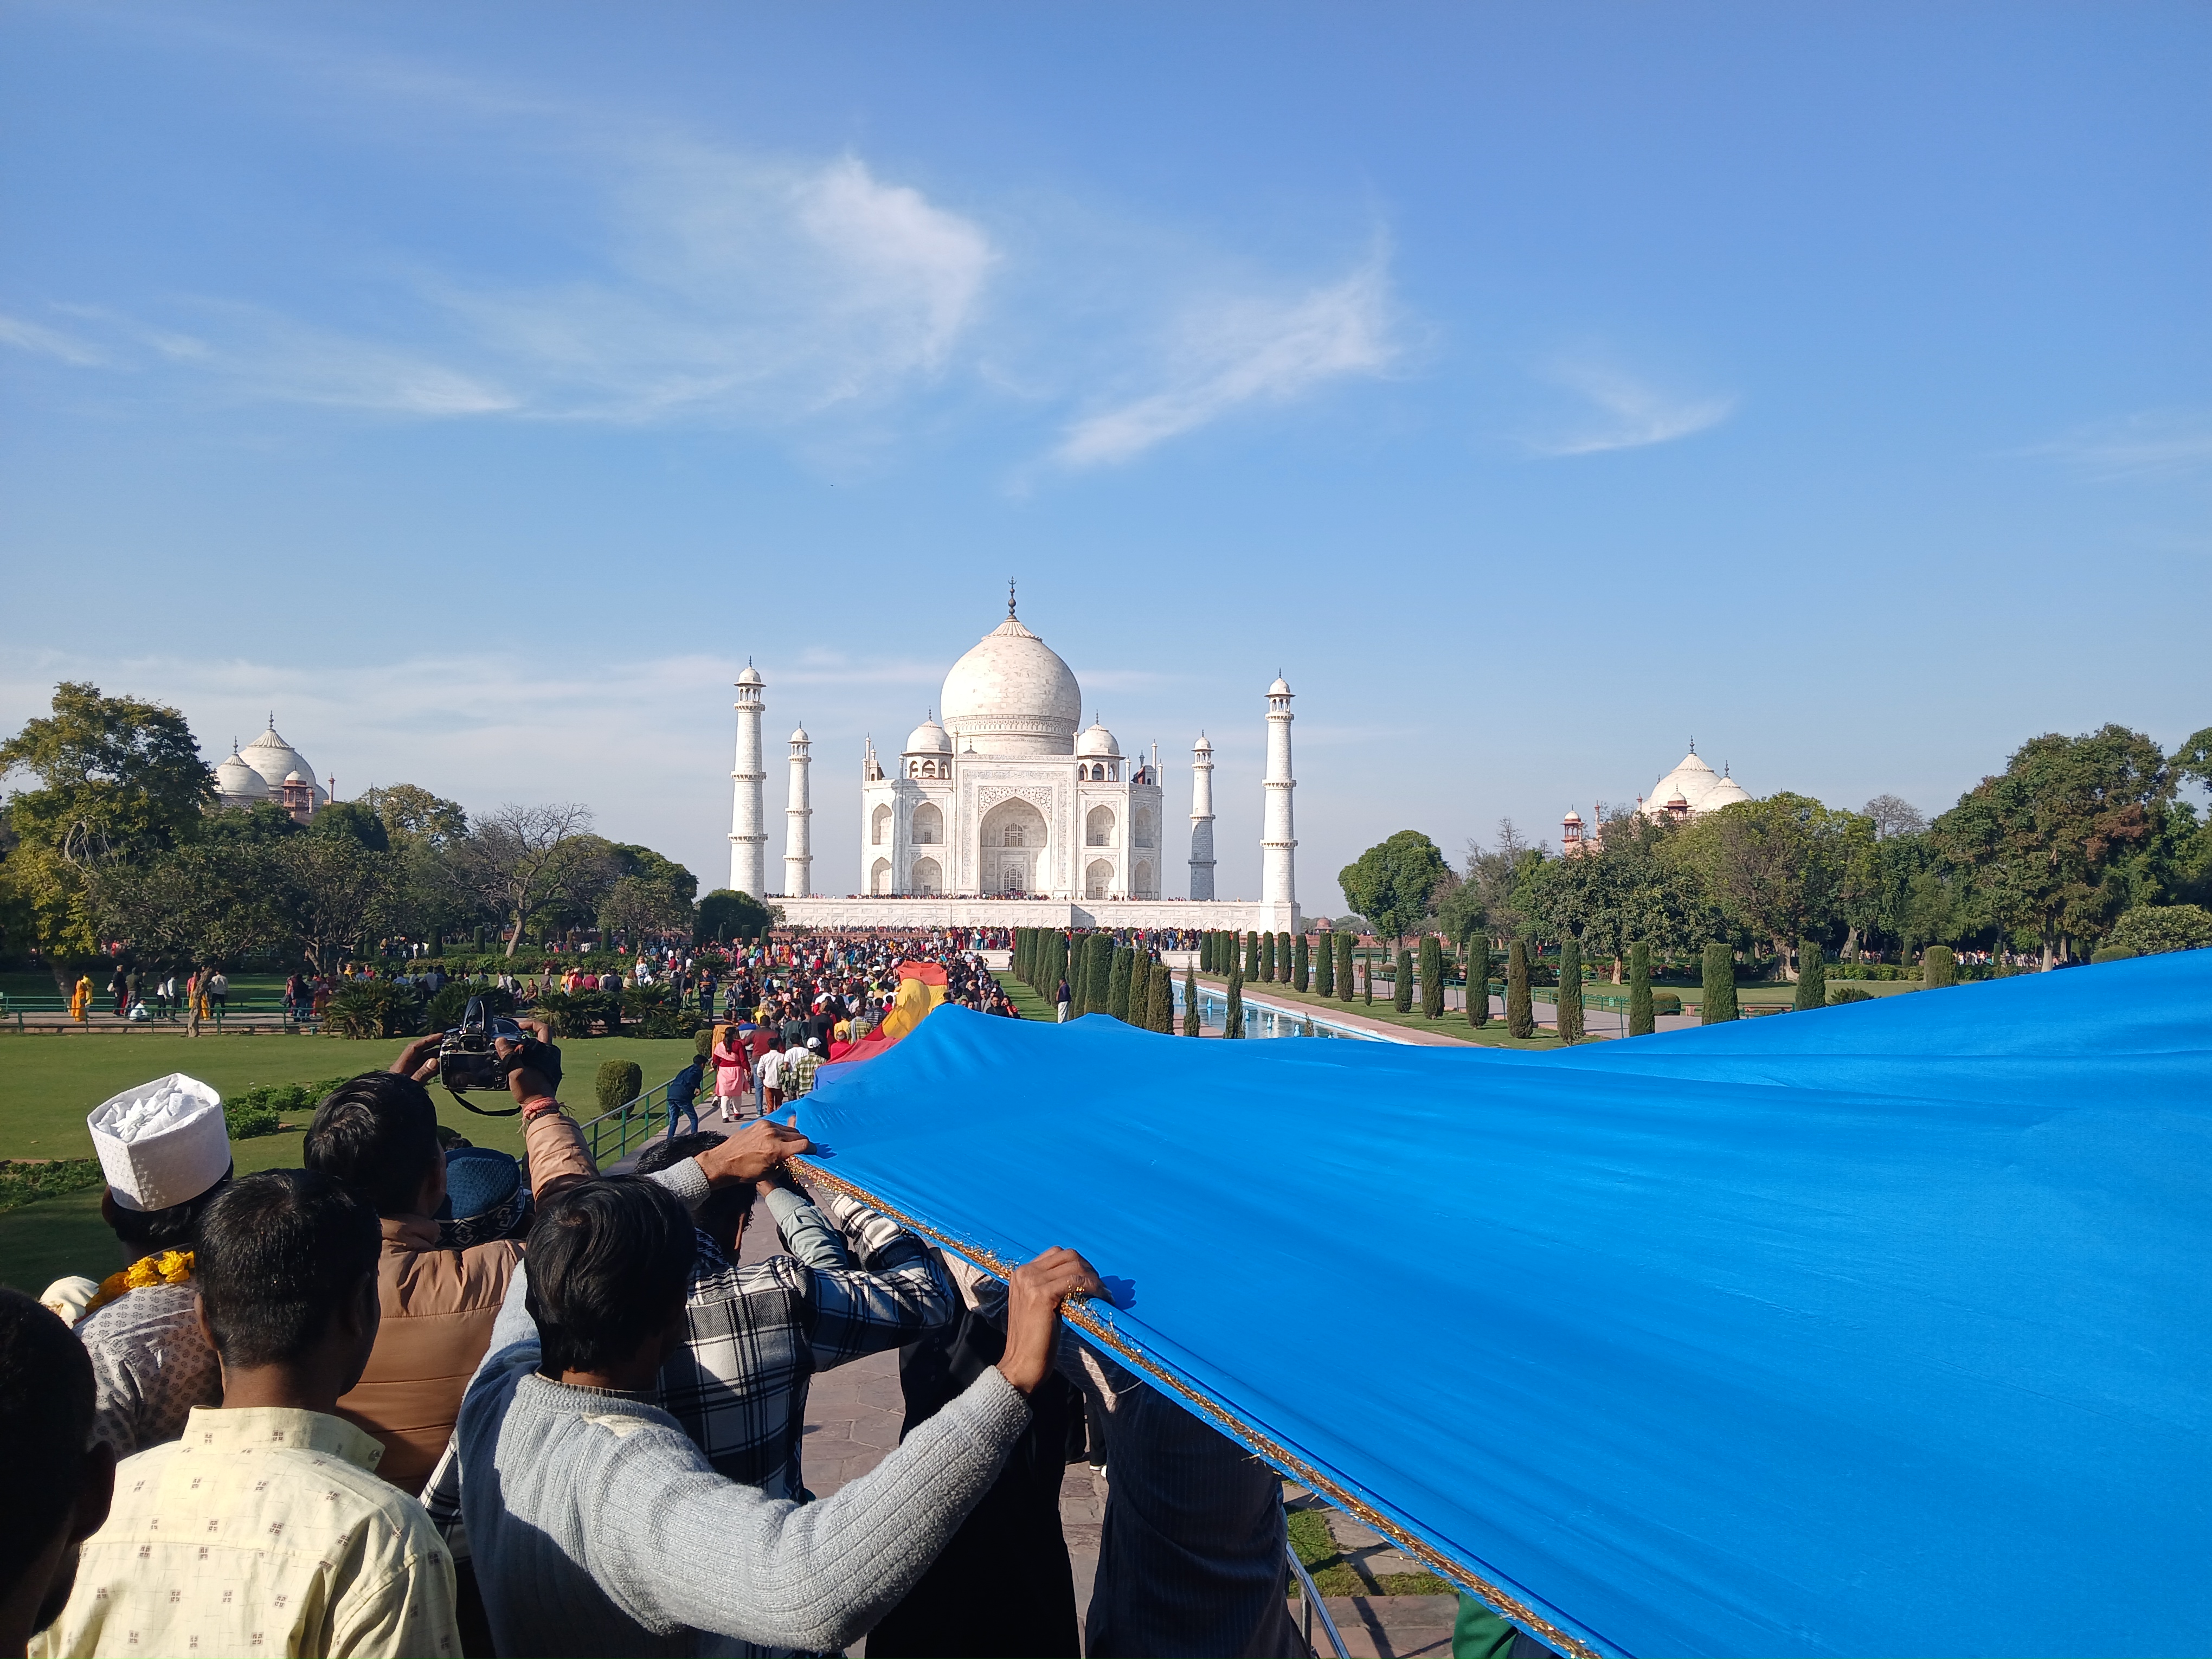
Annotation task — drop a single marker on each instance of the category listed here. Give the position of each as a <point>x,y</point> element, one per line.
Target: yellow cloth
<point>263,1531</point>
<point>910,1007</point>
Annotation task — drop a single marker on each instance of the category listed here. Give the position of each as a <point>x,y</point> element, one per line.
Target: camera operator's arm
<point>419,1059</point>
<point>552,1141</point>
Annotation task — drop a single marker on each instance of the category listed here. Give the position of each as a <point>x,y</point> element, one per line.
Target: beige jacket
<point>439,1305</point>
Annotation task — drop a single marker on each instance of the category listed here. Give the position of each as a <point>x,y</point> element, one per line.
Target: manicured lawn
<point>49,1083</point>
<point>1031,1005</point>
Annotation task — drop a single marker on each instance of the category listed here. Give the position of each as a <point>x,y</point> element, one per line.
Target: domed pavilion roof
<point>1097,742</point>
<point>1697,786</point>
<point>275,759</point>
<point>235,781</point>
<point>1011,694</point>
<point>928,738</point>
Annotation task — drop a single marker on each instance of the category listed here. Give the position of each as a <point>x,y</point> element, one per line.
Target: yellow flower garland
<point>169,1267</point>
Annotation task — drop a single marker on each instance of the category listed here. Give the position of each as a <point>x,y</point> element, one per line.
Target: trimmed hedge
<point>619,1080</point>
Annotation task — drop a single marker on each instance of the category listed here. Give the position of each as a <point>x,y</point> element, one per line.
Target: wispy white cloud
<point>1226,356</point>
<point>48,343</point>
<point>2155,444</point>
<point>1626,412</point>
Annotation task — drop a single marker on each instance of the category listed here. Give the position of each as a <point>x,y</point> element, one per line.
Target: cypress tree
<point>1367,977</point>
<point>1251,956</point>
<point>1720,985</point>
<point>1340,954</point>
<point>1266,957</point>
<point>1478,979</point>
<point>1141,989</point>
<point>1401,984</point>
<point>1571,989</point>
<point>1812,977</point>
<point>1325,966</point>
<point>1640,1022</point>
<point>1938,967</point>
<point>1520,1013</point>
<point>1078,969</point>
<point>1432,977</point>
<point>1205,963</point>
<point>1117,984</point>
<point>1283,953</point>
<point>1233,1024</point>
<point>1097,964</point>
<point>1301,963</point>
<point>1159,1000</point>
<point>1019,961</point>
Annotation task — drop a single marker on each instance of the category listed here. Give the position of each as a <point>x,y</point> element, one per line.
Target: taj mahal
<point>1000,811</point>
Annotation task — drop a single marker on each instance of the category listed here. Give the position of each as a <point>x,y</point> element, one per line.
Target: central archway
<point>1010,856</point>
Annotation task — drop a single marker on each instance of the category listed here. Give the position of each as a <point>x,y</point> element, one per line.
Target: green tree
<point>1340,945</point>
<point>1520,1008</point>
<point>2050,840</point>
<point>1367,977</point>
<point>726,914</point>
<point>1774,868</point>
<point>1267,956</point>
<point>1432,977</point>
<point>1251,965</point>
<point>1401,987</point>
<point>1190,1023</point>
<point>1159,1000</point>
<point>1232,1023</point>
<point>1140,994</point>
<point>1938,967</point>
<point>355,822</point>
<point>1477,951</point>
<point>1571,990</point>
<point>1391,882</point>
<point>1720,985</point>
<point>2153,930</point>
<point>114,778</point>
<point>1640,1020</point>
<point>334,892</point>
<point>413,814</point>
<point>1324,966</point>
<point>1301,963</point>
<point>1812,977</point>
<point>619,1082</point>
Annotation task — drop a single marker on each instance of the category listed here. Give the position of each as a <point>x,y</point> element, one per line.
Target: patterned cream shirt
<point>261,1532</point>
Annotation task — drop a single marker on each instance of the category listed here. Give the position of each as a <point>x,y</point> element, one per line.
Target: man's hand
<point>750,1153</point>
<point>1033,1297</point>
<point>411,1062</point>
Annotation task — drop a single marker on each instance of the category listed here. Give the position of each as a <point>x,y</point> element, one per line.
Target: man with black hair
<point>58,1478</point>
<point>756,1335</point>
<point>379,1134</point>
<point>165,1151</point>
<point>265,1530</point>
<point>598,1527</point>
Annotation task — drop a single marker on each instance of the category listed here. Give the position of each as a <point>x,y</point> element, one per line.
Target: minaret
<point>798,816</point>
<point>1278,885</point>
<point>1201,818</point>
<point>748,833</point>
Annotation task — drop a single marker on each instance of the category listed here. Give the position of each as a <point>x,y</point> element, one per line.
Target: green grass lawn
<point>1028,1002</point>
<point>49,1083</point>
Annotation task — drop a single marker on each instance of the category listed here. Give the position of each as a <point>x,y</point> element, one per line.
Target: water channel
<point>1262,1021</point>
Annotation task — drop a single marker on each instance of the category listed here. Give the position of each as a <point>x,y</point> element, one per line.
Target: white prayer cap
<point>162,1143</point>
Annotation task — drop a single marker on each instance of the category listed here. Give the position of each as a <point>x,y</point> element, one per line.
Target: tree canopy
<point>1390,883</point>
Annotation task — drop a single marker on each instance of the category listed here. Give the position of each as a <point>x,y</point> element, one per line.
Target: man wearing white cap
<point>166,1152</point>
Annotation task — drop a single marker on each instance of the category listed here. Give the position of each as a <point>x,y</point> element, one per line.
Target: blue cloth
<point>1879,1329</point>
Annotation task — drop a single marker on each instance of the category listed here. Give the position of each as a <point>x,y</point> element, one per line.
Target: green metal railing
<point>634,1119</point>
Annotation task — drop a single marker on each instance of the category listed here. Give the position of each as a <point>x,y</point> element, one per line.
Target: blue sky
<point>1537,387</point>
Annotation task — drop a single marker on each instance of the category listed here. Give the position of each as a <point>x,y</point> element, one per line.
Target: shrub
<point>1666,1003</point>
<point>619,1080</point>
<point>366,1009</point>
<point>1140,990</point>
<point>1477,955</point>
<point>1117,984</point>
<point>1938,967</point>
<point>1571,990</point>
<point>1843,994</point>
<point>1159,1000</point>
<point>703,1043</point>
<point>1812,977</point>
<point>2112,953</point>
<point>1520,1012</point>
<point>1720,985</point>
<point>2153,929</point>
<point>1641,1010</point>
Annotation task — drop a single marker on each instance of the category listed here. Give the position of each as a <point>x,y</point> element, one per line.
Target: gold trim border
<point>1286,1461</point>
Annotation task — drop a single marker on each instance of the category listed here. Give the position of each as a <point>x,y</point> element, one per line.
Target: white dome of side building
<point>269,769</point>
<point>1692,790</point>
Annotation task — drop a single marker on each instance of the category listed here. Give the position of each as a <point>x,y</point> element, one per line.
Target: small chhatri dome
<point>1281,688</point>
<point>1572,816</point>
<point>1202,747</point>
<point>1097,742</point>
<point>928,738</point>
<point>749,675</point>
<point>799,736</point>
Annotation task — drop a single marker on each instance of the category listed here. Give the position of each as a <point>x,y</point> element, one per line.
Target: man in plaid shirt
<point>800,1065</point>
<point>856,1283</point>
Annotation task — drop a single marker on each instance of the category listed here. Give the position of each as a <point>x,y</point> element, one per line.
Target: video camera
<point>470,1058</point>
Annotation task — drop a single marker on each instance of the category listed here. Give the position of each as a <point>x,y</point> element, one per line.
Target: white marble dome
<point>1696,786</point>
<point>238,783</point>
<point>928,738</point>
<point>749,675</point>
<point>1098,744</point>
<point>276,760</point>
<point>1011,694</point>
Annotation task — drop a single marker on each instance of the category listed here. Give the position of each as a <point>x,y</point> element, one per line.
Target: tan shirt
<point>263,1531</point>
<point>438,1309</point>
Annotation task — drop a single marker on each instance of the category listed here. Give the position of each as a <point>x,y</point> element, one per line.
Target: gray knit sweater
<point>598,1528</point>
